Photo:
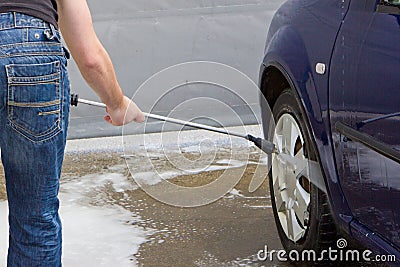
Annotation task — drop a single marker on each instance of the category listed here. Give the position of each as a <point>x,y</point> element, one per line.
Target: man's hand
<point>126,112</point>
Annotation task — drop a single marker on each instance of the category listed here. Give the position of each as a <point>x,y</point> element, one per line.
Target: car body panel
<point>351,39</point>
<point>368,47</point>
<point>295,49</point>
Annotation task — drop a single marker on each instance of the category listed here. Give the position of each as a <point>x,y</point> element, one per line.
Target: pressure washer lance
<point>266,146</point>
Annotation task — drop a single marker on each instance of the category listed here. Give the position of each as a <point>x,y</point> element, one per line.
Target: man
<point>34,109</point>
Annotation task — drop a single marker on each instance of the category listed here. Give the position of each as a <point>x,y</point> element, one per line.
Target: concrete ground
<point>228,232</point>
<point>109,220</point>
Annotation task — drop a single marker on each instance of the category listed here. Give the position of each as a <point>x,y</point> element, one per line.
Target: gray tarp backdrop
<point>144,37</point>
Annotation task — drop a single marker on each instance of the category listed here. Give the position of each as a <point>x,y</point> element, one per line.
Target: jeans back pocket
<point>34,99</point>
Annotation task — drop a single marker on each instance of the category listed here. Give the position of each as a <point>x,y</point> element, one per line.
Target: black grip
<point>74,100</point>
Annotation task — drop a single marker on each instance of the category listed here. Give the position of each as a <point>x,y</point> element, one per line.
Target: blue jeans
<point>34,109</point>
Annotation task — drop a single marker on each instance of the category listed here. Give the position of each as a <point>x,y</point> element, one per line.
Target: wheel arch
<point>287,65</point>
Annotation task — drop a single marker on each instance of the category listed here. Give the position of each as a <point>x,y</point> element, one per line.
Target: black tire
<point>320,232</point>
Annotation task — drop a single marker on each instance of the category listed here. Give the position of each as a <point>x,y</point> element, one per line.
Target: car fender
<point>286,51</point>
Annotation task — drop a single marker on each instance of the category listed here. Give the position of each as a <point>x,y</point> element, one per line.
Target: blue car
<point>331,75</point>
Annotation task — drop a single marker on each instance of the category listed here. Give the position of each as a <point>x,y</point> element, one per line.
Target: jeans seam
<point>51,49</point>
<point>55,127</point>
<point>16,84</point>
<point>41,53</point>
<point>44,113</point>
<point>7,27</point>
<point>48,79</point>
<point>32,44</point>
<point>34,104</point>
<point>13,126</point>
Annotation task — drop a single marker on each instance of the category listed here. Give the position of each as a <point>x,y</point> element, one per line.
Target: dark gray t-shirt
<point>43,9</point>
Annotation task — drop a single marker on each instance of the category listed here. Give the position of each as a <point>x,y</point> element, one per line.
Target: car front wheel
<point>301,209</point>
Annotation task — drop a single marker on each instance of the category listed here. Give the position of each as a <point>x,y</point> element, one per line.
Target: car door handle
<point>368,141</point>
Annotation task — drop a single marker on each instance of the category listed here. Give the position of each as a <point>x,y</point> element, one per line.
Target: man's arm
<point>93,61</point>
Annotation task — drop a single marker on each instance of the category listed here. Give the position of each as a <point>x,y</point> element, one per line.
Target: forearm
<point>92,59</point>
<point>99,73</point>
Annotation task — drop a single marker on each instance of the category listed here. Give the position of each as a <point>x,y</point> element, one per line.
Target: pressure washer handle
<point>265,145</point>
<point>75,100</point>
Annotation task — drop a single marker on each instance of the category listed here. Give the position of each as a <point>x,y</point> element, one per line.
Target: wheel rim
<point>291,181</point>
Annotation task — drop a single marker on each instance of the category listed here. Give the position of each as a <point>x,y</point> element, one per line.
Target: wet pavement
<point>109,220</point>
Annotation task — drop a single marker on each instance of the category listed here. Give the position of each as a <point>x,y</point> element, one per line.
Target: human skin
<point>94,63</point>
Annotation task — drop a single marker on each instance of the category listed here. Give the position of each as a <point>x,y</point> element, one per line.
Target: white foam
<point>85,184</point>
<point>148,178</point>
<point>105,235</point>
<point>236,192</point>
<point>3,232</point>
<point>231,162</point>
<point>258,206</point>
<point>157,141</point>
<point>98,236</point>
<point>191,149</point>
<point>154,177</point>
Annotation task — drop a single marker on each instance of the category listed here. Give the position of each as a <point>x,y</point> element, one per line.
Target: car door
<point>364,101</point>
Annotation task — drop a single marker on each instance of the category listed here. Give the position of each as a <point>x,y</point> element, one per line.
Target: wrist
<point>116,102</point>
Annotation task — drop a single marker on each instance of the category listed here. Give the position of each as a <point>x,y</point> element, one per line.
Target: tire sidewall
<point>287,104</point>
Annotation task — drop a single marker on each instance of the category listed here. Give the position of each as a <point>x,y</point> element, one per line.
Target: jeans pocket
<point>34,99</point>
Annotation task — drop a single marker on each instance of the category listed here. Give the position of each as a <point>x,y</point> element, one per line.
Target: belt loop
<point>66,53</point>
<point>15,19</point>
<point>53,30</point>
<point>50,34</point>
